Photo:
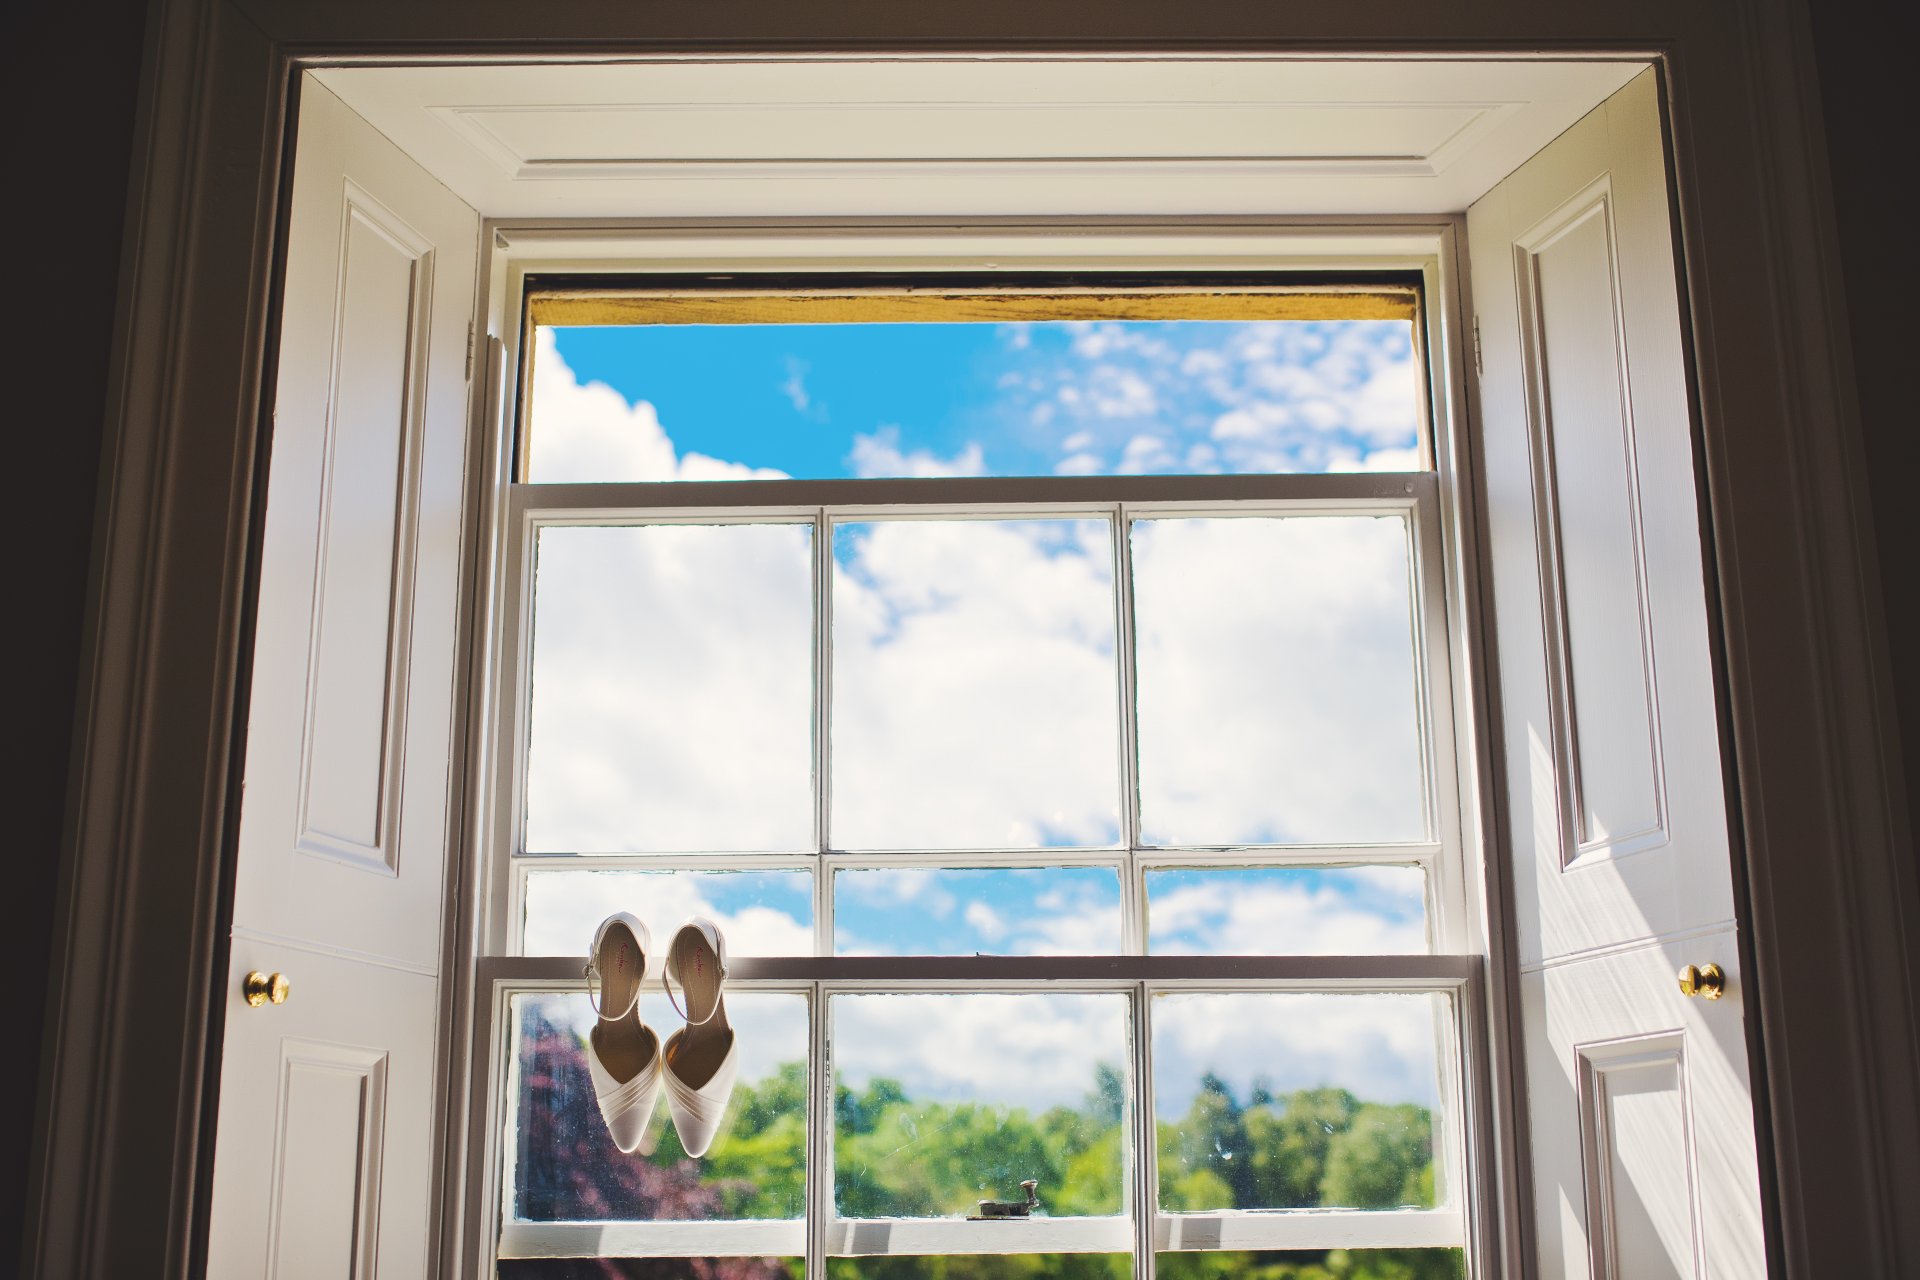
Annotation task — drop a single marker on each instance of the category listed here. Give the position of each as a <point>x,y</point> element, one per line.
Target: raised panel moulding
<point>1598,633</point>
<point>1637,1150</point>
<point>330,1135</point>
<point>358,652</point>
<point>907,139</point>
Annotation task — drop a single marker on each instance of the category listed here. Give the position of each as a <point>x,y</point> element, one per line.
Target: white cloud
<point>1379,460</point>
<point>1276,681</point>
<point>795,386</point>
<point>974,685</point>
<point>1031,1050</point>
<point>672,689</point>
<point>1274,396</point>
<point>1144,454</point>
<point>1122,393</point>
<point>1230,917</point>
<point>1039,1050</point>
<point>590,433</point>
<point>985,920</point>
<point>564,908</point>
<point>1382,1047</point>
<point>879,454</point>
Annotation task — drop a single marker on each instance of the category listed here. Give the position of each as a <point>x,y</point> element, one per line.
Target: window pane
<point>1008,1266</point>
<point>690,401</point>
<point>964,911</point>
<point>1332,1264</point>
<point>941,1101</point>
<point>672,690</point>
<point>762,913</point>
<point>1276,681</point>
<point>1296,1101</point>
<point>1287,911</point>
<point>974,687</point>
<point>653,1268</point>
<point>565,1168</point>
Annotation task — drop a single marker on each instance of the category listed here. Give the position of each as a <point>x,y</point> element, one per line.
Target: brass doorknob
<point>265,988</point>
<point>1709,982</point>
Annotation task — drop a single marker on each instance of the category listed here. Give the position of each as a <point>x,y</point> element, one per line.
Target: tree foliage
<point>896,1156</point>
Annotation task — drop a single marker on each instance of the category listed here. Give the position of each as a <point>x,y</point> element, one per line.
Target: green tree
<point>1212,1139</point>
<point>895,1155</point>
<point>1382,1160</point>
<point>1287,1141</point>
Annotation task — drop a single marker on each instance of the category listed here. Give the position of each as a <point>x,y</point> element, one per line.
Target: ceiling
<point>975,136</point>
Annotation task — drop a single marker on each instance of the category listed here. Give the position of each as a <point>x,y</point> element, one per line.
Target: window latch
<point>1000,1210</point>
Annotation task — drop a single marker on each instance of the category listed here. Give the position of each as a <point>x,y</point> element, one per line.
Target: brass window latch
<point>1001,1210</point>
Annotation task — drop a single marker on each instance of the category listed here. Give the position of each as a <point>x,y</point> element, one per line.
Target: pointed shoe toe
<point>626,1105</point>
<point>698,1110</point>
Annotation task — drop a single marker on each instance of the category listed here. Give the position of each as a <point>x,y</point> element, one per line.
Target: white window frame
<point>1456,767</point>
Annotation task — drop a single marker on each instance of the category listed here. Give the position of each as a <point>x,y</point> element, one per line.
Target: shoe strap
<point>590,973</point>
<point>720,960</point>
<point>668,988</point>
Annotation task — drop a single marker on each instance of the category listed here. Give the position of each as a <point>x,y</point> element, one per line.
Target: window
<point>1045,683</point>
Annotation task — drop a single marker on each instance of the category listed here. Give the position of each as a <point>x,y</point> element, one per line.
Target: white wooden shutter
<point>1638,1097</point>
<point>324,1158</point>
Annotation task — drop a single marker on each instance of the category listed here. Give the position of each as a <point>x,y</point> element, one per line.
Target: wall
<point>70,81</point>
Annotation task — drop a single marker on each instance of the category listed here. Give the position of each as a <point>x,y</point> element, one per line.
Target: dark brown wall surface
<point>69,82</point>
<point>69,73</point>
<point>1868,96</point>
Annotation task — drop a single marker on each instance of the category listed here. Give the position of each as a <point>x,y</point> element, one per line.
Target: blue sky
<point>819,401</point>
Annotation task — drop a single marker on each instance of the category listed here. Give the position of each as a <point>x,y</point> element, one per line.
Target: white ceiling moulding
<point>983,137</point>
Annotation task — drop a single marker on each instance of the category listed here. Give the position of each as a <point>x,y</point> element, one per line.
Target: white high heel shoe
<point>700,1059</point>
<point>623,1054</point>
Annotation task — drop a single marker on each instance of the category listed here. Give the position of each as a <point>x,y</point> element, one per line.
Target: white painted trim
<point>1312,1229</point>
<point>772,1239</point>
<point>1304,1229</point>
<point>878,1237</point>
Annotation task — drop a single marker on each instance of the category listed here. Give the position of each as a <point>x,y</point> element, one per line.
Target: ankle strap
<point>590,973</point>
<point>701,1022</point>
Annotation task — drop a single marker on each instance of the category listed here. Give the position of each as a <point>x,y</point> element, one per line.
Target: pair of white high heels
<point>628,1065</point>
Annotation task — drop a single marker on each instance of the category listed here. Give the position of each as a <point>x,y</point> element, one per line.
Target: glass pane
<point>672,690</point>
<point>974,688</point>
<point>1332,1264</point>
<point>1006,1266</point>
<point>693,401</point>
<point>941,1101</point>
<point>964,911</point>
<point>1276,681</point>
<point>1287,911</point>
<point>653,1268</point>
<point>762,913</point>
<point>566,1169</point>
<point>1296,1101</point>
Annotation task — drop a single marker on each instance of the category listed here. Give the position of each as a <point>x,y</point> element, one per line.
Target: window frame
<point>1454,765</point>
